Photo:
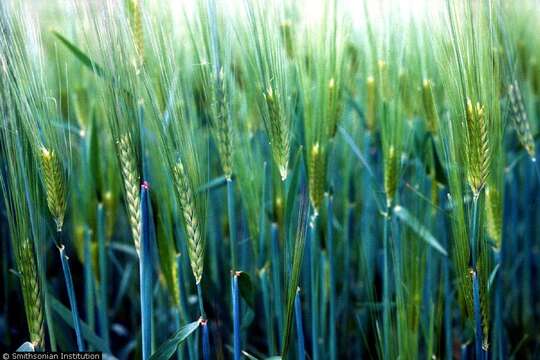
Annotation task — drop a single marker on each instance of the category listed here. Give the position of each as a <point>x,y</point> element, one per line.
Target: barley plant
<point>249,179</point>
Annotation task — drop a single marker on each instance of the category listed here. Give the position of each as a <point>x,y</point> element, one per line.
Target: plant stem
<point>204,324</point>
<point>498,351</point>
<point>475,281</point>
<point>232,222</point>
<point>88,281</point>
<point>277,278</point>
<point>447,308</point>
<point>71,295</point>
<point>234,277</point>
<point>236,316</point>
<point>145,273</point>
<point>205,340</point>
<point>386,284</point>
<point>262,223</point>
<point>477,317</point>
<point>103,318</point>
<point>313,287</point>
<point>200,300</point>
<point>268,312</point>
<point>299,326</point>
<point>330,239</point>
<point>182,308</point>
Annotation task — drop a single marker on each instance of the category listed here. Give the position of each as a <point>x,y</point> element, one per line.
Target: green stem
<point>200,298</point>
<point>103,284</point>
<point>71,295</point>
<point>330,239</point>
<point>88,281</point>
<point>314,287</point>
<point>204,324</point>
<point>268,312</point>
<point>276,279</point>
<point>386,284</point>
<point>232,222</point>
<point>474,231</point>
<point>474,236</point>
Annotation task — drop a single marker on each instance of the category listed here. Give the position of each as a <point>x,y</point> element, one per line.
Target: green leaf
<point>26,347</point>
<point>247,319</point>
<point>167,251</point>
<point>418,228</point>
<point>213,184</point>
<point>246,288</point>
<point>168,348</point>
<point>79,54</point>
<point>492,276</point>
<point>249,356</point>
<point>292,190</point>
<point>298,256</point>
<point>87,333</point>
<point>94,157</point>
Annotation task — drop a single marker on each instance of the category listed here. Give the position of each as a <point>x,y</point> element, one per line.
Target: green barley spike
<point>132,187</point>
<point>477,147</point>
<point>31,294</point>
<point>521,120</point>
<point>54,185</point>
<point>187,202</point>
<point>316,174</point>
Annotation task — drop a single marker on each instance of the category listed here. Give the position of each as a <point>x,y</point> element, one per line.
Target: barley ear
<point>494,215</point>
<point>135,21</point>
<point>371,108</point>
<point>131,186</point>
<point>279,135</point>
<point>287,36</point>
<point>477,147</point>
<point>520,120</point>
<point>55,189</point>
<point>390,174</point>
<point>316,173</point>
<point>194,238</point>
<point>430,108</point>
<point>384,80</point>
<point>334,107</point>
<point>222,126</point>
<point>31,294</point>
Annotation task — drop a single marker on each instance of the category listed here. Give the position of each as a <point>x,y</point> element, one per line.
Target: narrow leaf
<point>298,256</point>
<point>79,54</point>
<point>168,348</point>
<point>26,347</point>
<point>418,228</point>
<point>246,288</point>
<point>87,333</point>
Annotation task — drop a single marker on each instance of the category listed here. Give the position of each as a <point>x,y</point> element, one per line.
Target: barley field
<point>270,179</point>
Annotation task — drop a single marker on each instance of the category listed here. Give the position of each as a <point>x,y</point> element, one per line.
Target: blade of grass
<point>168,348</point>
<point>409,220</point>
<point>298,255</point>
<point>80,55</point>
<point>87,333</point>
